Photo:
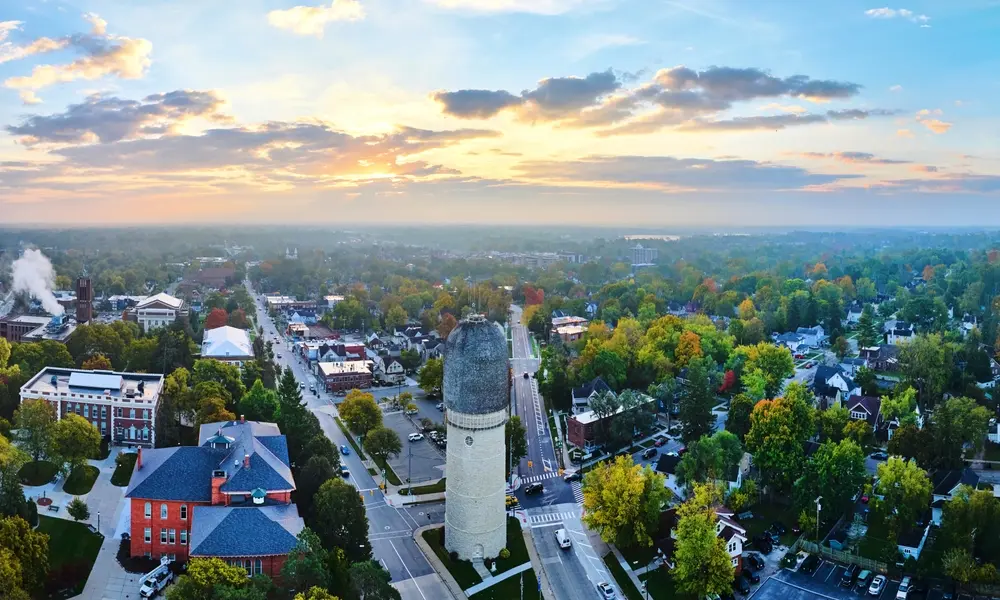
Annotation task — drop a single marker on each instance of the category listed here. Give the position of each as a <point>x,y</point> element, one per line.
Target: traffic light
<point>560,471</point>
<point>530,464</point>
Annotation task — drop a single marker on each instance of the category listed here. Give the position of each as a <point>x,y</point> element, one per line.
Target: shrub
<point>29,512</point>
<point>78,509</point>
<point>504,553</point>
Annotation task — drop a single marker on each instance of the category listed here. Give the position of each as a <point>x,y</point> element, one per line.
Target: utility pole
<point>409,464</point>
<point>818,507</point>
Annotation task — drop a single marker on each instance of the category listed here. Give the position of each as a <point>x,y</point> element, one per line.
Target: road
<point>390,529</point>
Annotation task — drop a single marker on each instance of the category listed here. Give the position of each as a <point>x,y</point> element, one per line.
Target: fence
<point>840,556</point>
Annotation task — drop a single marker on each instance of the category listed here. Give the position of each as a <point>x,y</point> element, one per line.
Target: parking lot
<point>427,462</point>
<point>823,583</point>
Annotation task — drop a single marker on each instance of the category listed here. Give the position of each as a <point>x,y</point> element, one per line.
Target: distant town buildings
<point>122,405</point>
<point>158,311</point>
<point>35,328</point>
<point>643,256</point>
<point>342,376</point>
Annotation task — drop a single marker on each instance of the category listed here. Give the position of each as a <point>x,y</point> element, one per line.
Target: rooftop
<point>476,378</point>
<point>162,298</point>
<point>340,368</point>
<point>55,381</point>
<point>223,342</point>
<point>244,530</point>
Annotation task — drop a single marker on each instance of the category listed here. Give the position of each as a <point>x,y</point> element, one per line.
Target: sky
<point>652,113</point>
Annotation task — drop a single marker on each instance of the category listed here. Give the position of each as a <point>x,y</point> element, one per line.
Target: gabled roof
<point>161,298</point>
<point>870,405</point>
<point>595,385</point>
<point>268,451</point>
<point>223,342</point>
<point>944,481</point>
<point>668,464</point>
<point>183,473</point>
<point>244,530</point>
<point>790,337</point>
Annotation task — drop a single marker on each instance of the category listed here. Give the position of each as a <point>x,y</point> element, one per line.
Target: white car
<point>878,584</point>
<point>607,592</point>
<point>415,437</point>
<point>904,588</point>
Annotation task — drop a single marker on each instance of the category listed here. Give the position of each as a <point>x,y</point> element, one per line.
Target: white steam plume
<point>34,275</point>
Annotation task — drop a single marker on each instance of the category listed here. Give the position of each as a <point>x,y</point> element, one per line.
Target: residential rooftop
<point>76,383</point>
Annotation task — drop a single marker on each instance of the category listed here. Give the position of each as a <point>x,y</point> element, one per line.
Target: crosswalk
<point>549,518</point>
<point>542,477</point>
<point>577,492</point>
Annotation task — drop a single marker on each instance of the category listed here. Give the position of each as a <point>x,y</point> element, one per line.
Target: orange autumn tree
<point>97,362</point>
<point>217,318</point>
<point>688,347</point>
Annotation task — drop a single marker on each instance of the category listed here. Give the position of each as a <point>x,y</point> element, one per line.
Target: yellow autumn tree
<point>688,347</point>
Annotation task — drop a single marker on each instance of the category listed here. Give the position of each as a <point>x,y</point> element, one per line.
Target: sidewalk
<point>628,570</point>
<point>495,579</point>
<point>536,564</point>
<point>449,582</point>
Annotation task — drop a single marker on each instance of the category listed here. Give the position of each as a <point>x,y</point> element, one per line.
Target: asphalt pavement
<point>390,529</point>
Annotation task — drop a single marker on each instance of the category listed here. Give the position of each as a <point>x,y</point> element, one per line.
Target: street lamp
<point>98,521</point>
<point>818,507</point>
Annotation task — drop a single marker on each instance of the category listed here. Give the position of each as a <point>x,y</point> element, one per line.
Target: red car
<point>659,442</point>
<point>864,499</point>
<point>800,356</point>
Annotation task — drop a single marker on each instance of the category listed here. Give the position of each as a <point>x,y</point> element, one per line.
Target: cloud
<point>104,54</point>
<point>312,20</point>
<point>676,173</point>
<point>590,44</point>
<point>953,183</point>
<point>902,13</point>
<point>793,108</point>
<point>9,51</point>
<point>924,117</point>
<point>540,7</point>
<point>854,158</point>
<point>896,88</point>
<point>112,119</point>
<point>904,133</point>
<point>924,168</point>
<point>778,122</point>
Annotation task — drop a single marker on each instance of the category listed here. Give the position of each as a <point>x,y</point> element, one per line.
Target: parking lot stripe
<point>808,591</point>
<point>832,571</point>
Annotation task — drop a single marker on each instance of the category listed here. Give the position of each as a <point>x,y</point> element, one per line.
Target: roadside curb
<point>536,564</point>
<point>449,581</point>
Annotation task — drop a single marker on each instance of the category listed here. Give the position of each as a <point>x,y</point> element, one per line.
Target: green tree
<point>305,566</point>
<point>315,593</point>
<point>860,431</point>
<point>740,408</point>
<point>869,334</point>
<point>909,441</point>
<point>396,318</point>
<point>340,521</point>
<point>11,582</point>
<point>97,362</point>
<point>206,578</point>
<point>140,355</point>
<point>778,430</point>
<point>12,501</point>
<point>867,380</point>
<point>608,365</point>
<point>360,412</point>
<point>711,458</point>
<point>371,582</point>
<point>382,443</point>
<point>903,492</point>
<point>774,363</point>
<point>972,519</point>
<point>259,403</point>
<point>840,347</point>
<point>35,424</point>
<point>517,441</point>
<point>635,416</point>
<point>926,363</point>
<point>702,564</point>
<point>289,394</point>
<point>78,509</point>
<point>75,440</point>
<point>317,471</point>
<point>697,400</point>
<point>622,501</point>
<point>213,410</point>
<point>957,422</point>
<point>225,374</point>
<point>604,405</point>
<point>431,376</point>
<point>410,359</point>
<point>250,372</point>
<point>30,548</point>
<point>835,471</point>
<point>832,421</point>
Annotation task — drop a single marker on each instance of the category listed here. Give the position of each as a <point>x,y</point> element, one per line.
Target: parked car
<point>412,411</point>
<point>904,588</point>
<point>440,406</point>
<point>415,437</point>
<point>742,585</point>
<point>302,386</point>
<point>279,356</point>
<point>607,592</point>
<point>779,528</point>
<point>878,584</point>
<point>534,488</point>
<point>659,442</point>
<point>847,579</point>
<point>864,580</point>
<point>344,471</point>
<point>763,543</point>
<point>344,449</point>
<point>571,477</point>
<point>649,453</point>
<point>880,455</point>
<point>750,574</point>
<point>755,561</point>
<point>864,499</point>
<point>810,564</point>
<point>525,374</point>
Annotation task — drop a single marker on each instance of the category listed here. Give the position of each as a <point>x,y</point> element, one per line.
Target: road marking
<point>832,571</point>
<point>408,570</point>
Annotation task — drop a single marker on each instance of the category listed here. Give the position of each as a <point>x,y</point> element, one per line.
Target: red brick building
<point>342,376</point>
<point>229,498</point>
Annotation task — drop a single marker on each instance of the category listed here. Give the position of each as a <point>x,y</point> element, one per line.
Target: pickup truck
<point>157,579</point>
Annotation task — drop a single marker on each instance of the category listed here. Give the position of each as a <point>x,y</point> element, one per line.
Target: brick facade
<point>159,529</point>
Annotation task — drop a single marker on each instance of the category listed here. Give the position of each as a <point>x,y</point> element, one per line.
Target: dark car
<point>810,564</point>
<point>525,374</point>
<point>742,585</point>
<point>575,476</point>
<point>750,575</point>
<point>534,488</point>
<point>649,453</point>
<point>755,561</point>
<point>778,528</point>
<point>879,456</point>
<point>847,579</point>
<point>763,543</point>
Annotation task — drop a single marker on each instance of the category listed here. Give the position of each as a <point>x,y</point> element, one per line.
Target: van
<point>864,580</point>
<point>563,538</point>
<point>904,588</point>
<point>847,580</point>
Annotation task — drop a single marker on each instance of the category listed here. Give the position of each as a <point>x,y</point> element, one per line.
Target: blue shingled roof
<point>278,446</point>
<point>182,473</point>
<point>244,531</point>
<point>261,474</point>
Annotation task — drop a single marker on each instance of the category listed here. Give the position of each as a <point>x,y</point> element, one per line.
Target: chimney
<point>243,419</point>
<point>246,461</point>
<point>138,458</point>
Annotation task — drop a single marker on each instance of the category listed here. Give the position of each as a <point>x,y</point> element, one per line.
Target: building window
<point>131,413</point>
<point>184,512</point>
<point>173,536</point>
<point>147,535</point>
<point>149,510</point>
<point>258,567</point>
<point>163,536</point>
<point>736,562</point>
<point>104,411</point>
<point>732,547</point>
<point>104,427</point>
<point>184,537</point>
<point>163,511</point>
<point>119,412</point>
<point>145,433</point>
<point>86,410</point>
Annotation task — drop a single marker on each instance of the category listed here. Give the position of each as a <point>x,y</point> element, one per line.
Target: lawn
<point>72,552</point>
<point>516,547</point>
<point>511,588</point>
<point>81,480</point>
<point>38,472</point>
<point>764,514</point>
<point>660,584</point>
<point>461,570</point>
<point>433,488</point>
<point>638,556</point>
<point>621,577</point>
<point>991,451</point>
<point>123,471</point>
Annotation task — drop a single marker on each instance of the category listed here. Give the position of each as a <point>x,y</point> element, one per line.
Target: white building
<point>643,256</point>
<point>120,405</point>
<point>160,310</point>
<point>228,344</point>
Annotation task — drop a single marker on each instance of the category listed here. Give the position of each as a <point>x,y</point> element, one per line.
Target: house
<point>432,348</point>
<point>865,408</point>
<point>733,534</point>
<point>332,301</point>
<point>900,336</point>
<point>881,359</point>
<point>944,485</point>
<point>570,333</point>
<point>227,344</point>
<point>586,392</point>
<point>911,542</point>
<point>850,366</point>
<point>812,337</point>
<point>374,342</point>
<point>854,314</point>
<point>299,330</point>
<point>582,429</point>
<point>229,497</point>
<point>568,320</point>
<point>969,323</point>
<point>119,405</point>
<point>832,383</point>
<point>306,316</point>
<point>160,310</point>
<point>792,341</point>
<point>392,371</point>
<point>343,376</point>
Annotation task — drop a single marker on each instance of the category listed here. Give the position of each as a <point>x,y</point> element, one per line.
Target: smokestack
<point>138,458</point>
<point>33,274</point>
<point>246,461</point>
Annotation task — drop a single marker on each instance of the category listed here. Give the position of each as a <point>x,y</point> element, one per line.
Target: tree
<point>289,393</point>
<point>30,548</point>
<point>840,347</point>
<point>697,400</point>
<point>360,412</point>
<point>382,443</point>
<point>237,319</point>
<point>410,359</point>
<point>711,458</point>
<point>250,372</point>
<point>835,471</point>
<point>604,405</point>
<point>315,593</point>
<point>832,422</point>
<point>608,365</point>
<point>97,362</point>
<point>213,410</point>
<point>75,440</point>
<point>926,363</point>
<point>215,319</point>
<point>139,356</point>
<point>11,582</point>
<point>900,405</point>
<point>622,501</point>
<point>208,578</point>
<point>688,347</point>
<point>955,423</point>
<point>774,363</point>
<point>959,565</point>
<point>633,417</point>
<point>317,471</point>
<point>431,376</point>
<point>259,404</point>
<point>867,380</point>
<point>78,509</point>
<point>396,318</point>
<point>860,431</point>
<point>740,408</point>
<point>905,491</point>
<point>12,501</point>
<point>340,521</point>
<point>447,324</point>
<point>371,581</point>
<point>35,423</point>
<point>305,566</point>
<point>517,441</point>
<point>702,564</point>
<point>971,518</point>
<point>909,441</point>
<point>868,330</point>
<point>207,370</point>
<point>778,430</point>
